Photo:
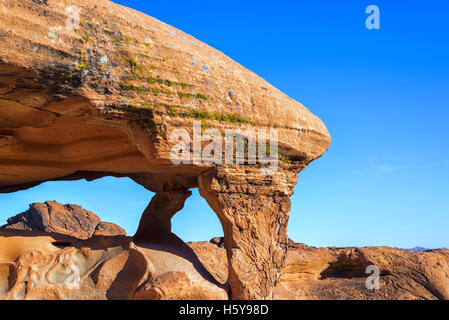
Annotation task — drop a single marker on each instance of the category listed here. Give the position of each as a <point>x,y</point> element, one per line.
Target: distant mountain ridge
<point>422,249</point>
<point>419,249</point>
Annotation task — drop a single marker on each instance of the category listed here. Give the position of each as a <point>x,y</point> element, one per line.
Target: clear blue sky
<point>383,94</point>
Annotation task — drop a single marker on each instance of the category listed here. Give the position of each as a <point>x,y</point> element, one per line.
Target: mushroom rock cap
<point>110,64</point>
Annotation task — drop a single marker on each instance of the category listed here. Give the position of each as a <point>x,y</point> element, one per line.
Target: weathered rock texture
<point>37,266</point>
<point>254,215</point>
<point>53,217</point>
<point>41,266</point>
<point>157,216</point>
<point>340,273</point>
<point>102,98</point>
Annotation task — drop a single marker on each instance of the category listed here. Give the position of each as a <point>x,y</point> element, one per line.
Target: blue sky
<point>383,94</point>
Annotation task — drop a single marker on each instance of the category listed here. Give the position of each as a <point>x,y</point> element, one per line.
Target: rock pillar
<point>254,213</point>
<point>155,224</point>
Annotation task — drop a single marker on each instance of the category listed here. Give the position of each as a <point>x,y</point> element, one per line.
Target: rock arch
<point>103,100</point>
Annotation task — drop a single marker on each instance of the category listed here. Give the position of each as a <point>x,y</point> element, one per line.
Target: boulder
<point>53,217</point>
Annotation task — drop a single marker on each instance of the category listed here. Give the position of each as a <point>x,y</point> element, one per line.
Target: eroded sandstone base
<point>340,273</point>
<point>40,266</point>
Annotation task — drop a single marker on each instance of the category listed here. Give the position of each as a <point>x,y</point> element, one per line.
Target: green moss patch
<point>183,95</point>
<point>167,83</point>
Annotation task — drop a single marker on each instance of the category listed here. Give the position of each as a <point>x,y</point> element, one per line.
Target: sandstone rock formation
<point>340,273</point>
<point>213,258</point>
<point>91,89</point>
<point>72,220</point>
<point>42,266</point>
<point>56,267</point>
<point>157,216</point>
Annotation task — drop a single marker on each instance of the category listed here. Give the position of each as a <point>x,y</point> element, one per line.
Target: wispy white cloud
<point>384,168</point>
<point>392,164</point>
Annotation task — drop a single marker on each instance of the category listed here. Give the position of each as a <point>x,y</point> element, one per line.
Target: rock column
<point>155,224</point>
<point>254,213</point>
